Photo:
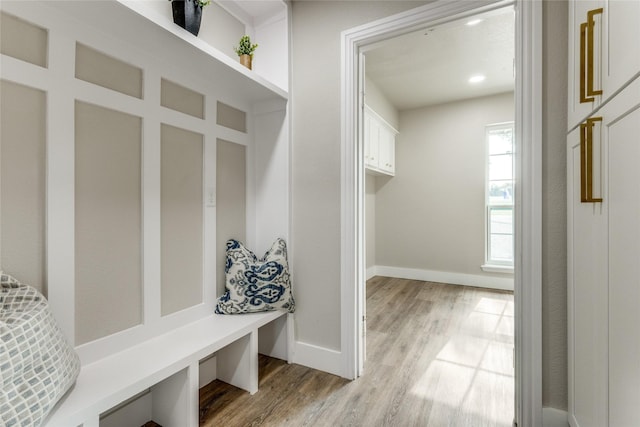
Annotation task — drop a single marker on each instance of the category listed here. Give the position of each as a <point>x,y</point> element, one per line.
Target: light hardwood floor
<point>437,355</point>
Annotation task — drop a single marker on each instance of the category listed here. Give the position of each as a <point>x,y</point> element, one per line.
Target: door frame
<point>528,197</point>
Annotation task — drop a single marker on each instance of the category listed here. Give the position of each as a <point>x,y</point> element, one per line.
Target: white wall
<point>431,215</point>
<point>316,27</point>
<point>370,222</point>
<point>377,100</point>
<point>145,124</point>
<point>554,206</point>
<point>316,174</point>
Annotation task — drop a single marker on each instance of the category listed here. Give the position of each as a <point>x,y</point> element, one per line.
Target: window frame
<point>492,264</point>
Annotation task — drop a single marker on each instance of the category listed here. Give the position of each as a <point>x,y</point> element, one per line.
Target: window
<point>499,197</point>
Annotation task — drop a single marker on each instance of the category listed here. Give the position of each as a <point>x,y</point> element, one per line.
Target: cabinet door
<point>373,139</point>
<point>622,30</point>
<point>604,267</point>
<point>367,140</point>
<point>581,52</point>
<point>621,141</point>
<point>587,315</point>
<point>603,52</point>
<point>387,151</point>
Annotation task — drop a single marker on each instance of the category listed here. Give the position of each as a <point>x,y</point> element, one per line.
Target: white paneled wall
<point>95,52</point>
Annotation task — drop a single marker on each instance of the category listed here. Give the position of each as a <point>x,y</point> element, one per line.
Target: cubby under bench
<point>161,377</point>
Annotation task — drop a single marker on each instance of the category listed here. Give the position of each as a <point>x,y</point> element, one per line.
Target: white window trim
<point>494,268</point>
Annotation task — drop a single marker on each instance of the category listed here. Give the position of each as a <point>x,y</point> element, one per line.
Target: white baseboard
<point>371,272</point>
<point>552,417</point>
<point>320,358</point>
<point>502,283</point>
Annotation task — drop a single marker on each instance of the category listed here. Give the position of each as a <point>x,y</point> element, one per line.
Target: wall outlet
<point>211,198</point>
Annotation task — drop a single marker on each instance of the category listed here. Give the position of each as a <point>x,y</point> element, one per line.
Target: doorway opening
<point>438,156</point>
<point>527,218</point>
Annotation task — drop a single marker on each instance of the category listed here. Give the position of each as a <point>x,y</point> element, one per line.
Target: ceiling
<point>433,66</point>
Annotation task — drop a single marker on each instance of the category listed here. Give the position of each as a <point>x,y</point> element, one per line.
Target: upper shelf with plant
<point>264,21</point>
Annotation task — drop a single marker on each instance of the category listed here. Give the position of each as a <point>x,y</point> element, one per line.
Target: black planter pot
<point>187,14</point>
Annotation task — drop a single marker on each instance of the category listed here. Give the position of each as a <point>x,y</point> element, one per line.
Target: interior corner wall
<point>431,215</point>
<point>316,158</point>
<point>554,205</point>
<point>378,102</point>
<point>370,222</point>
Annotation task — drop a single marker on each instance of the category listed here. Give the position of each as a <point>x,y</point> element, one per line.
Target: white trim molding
<point>491,268</point>
<point>477,280</point>
<point>323,359</point>
<point>372,272</point>
<point>528,214</point>
<point>528,217</point>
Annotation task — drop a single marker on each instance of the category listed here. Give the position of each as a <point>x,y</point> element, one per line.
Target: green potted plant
<point>188,14</point>
<point>245,50</point>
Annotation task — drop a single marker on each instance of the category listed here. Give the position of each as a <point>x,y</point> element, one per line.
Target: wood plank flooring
<point>437,355</point>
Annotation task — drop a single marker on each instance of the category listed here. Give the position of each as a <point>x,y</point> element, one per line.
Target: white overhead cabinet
<point>603,192</point>
<point>379,144</point>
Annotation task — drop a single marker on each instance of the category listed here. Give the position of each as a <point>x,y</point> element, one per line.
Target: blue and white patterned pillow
<point>254,284</point>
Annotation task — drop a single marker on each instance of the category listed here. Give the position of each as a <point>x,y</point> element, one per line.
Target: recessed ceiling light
<point>474,22</point>
<point>476,79</point>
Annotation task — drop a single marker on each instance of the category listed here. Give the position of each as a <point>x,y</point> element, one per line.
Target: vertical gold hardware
<point>583,164</point>
<point>586,161</point>
<point>583,65</point>
<point>587,53</point>
<point>591,23</point>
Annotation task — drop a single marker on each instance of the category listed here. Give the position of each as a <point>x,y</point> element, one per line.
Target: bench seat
<point>108,382</point>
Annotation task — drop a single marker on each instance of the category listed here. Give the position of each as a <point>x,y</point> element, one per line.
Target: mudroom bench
<point>161,377</point>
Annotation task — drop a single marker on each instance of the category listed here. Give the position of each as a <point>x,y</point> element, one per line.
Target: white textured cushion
<point>254,284</point>
<point>37,365</point>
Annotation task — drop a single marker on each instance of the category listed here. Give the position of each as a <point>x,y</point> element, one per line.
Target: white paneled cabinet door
<point>371,142</point>
<point>386,150</point>
<point>379,144</point>
<point>604,264</point>
<point>621,137</point>
<point>603,52</point>
<point>585,35</point>
<point>587,298</point>
<point>621,35</point>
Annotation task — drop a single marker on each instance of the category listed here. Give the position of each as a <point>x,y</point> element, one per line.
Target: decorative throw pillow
<point>254,284</point>
<point>37,364</point>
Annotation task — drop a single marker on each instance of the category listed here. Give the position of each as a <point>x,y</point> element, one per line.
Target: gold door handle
<point>583,65</point>
<point>583,164</point>
<point>586,161</point>
<point>590,77</point>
